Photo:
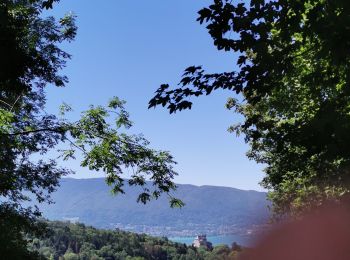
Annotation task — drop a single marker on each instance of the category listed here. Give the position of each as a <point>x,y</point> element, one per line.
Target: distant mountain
<point>208,209</point>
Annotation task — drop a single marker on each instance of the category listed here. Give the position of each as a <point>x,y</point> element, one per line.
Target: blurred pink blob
<point>324,235</point>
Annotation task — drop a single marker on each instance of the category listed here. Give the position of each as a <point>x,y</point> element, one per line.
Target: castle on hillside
<point>201,241</point>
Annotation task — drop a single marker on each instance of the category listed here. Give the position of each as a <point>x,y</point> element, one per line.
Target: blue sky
<point>127,49</point>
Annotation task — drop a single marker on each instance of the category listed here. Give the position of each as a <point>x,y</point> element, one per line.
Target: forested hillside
<point>208,209</point>
<point>77,241</point>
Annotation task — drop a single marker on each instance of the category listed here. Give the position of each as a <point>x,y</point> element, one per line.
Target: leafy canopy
<point>31,59</point>
<point>292,76</point>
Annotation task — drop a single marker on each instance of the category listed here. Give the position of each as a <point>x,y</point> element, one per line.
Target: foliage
<point>292,75</point>
<point>30,60</point>
<point>107,146</point>
<point>14,221</point>
<point>77,241</point>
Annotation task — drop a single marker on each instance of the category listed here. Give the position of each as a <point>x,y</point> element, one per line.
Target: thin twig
<point>15,102</point>
<point>76,146</point>
<point>2,101</point>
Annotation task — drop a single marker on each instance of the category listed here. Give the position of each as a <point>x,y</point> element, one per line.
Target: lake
<point>244,240</point>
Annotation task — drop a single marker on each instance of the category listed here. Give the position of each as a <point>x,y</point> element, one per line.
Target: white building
<point>201,241</point>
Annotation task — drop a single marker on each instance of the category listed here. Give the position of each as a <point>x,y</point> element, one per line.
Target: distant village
<point>190,230</point>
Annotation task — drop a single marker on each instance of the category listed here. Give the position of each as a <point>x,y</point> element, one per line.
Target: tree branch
<point>56,130</point>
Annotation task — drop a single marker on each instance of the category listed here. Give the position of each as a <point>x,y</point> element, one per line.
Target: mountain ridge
<point>208,209</point>
<point>182,184</point>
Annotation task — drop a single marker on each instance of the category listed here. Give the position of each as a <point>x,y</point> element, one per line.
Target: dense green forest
<point>76,241</point>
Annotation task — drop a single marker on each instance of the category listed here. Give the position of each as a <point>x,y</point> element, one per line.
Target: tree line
<point>66,241</point>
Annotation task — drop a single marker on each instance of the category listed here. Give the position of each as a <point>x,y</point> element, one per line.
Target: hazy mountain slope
<point>92,202</point>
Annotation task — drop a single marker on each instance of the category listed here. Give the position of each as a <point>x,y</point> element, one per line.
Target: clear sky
<point>127,49</point>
